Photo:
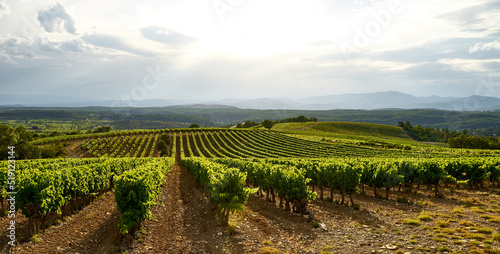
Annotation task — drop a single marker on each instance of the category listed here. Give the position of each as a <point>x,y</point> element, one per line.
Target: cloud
<point>473,12</point>
<point>112,42</point>
<point>472,65</point>
<point>4,9</point>
<point>77,45</point>
<point>15,50</point>
<point>165,36</point>
<point>480,46</point>
<point>56,19</point>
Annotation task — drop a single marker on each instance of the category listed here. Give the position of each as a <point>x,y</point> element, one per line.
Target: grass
<point>486,216</point>
<point>422,249</point>
<point>458,211</point>
<point>475,251</point>
<point>443,249</point>
<point>353,133</point>
<point>269,250</point>
<point>474,243</point>
<point>477,209</point>
<point>451,231</point>
<point>469,202</point>
<point>411,222</point>
<point>440,240</point>
<point>425,216</point>
<point>466,223</point>
<point>483,230</point>
<point>442,223</point>
<point>477,236</point>
<point>495,219</point>
<point>491,251</point>
<point>36,238</point>
<point>397,232</point>
<point>327,250</point>
<point>496,237</point>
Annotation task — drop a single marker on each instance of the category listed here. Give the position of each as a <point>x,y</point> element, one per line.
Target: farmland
<point>299,188</point>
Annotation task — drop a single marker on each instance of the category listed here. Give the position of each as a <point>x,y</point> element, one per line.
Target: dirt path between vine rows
<point>91,230</point>
<point>184,220</point>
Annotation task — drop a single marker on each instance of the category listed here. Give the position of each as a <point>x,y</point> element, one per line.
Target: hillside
<point>168,117</point>
<point>359,134</point>
<point>347,128</point>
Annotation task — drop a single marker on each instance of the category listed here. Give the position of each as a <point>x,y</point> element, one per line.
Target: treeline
<point>20,138</point>
<point>298,119</point>
<point>474,142</point>
<point>429,134</point>
<point>145,124</point>
<point>23,114</point>
<point>455,139</point>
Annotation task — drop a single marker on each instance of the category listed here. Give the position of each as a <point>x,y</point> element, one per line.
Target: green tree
<point>268,124</point>
<point>166,138</point>
<point>102,129</point>
<point>25,150</point>
<point>162,146</point>
<point>8,137</point>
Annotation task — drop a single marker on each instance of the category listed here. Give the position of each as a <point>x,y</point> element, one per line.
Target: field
<point>300,188</point>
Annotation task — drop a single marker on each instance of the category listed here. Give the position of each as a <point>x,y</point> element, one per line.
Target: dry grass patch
<point>425,216</point>
<point>483,230</point>
<point>269,250</point>
<point>440,240</point>
<point>496,237</point>
<point>477,236</point>
<point>466,223</point>
<point>486,216</point>
<point>411,222</point>
<point>451,231</point>
<point>477,209</point>
<point>442,223</point>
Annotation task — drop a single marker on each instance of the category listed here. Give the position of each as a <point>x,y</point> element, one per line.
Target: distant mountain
<point>64,101</point>
<point>379,100</point>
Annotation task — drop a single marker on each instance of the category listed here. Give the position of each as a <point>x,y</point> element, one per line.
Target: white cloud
<point>472,65</point>
<point>4,9</point>
<point>165,36</point>
<point>16,50</point>
<point>480,46</point>
<point>56,19</point>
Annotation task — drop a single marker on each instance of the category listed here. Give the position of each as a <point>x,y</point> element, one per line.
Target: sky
<point>215,49</point>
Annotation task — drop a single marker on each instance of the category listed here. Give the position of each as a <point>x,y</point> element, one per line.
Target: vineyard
<point>253,182</point>
<point>224,143</point>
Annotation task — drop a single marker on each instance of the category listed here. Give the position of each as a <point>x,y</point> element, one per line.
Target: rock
<point>323,226</point>
<point>219,234</point>
<point>390,247</point>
